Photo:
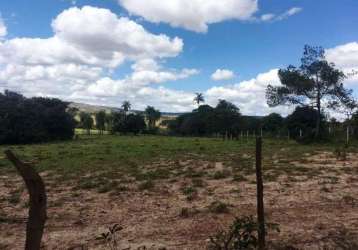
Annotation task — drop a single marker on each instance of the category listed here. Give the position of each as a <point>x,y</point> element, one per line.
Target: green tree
<point>152,115</point>
<point>86,122</point>
<point>32,120</point>
<point>101,121</point>
<point>126,106</point>
<point>311,83</point>
<point>199,98</point>
<point>132,123</point>
<point>304,119</point>
<point>273,123</point>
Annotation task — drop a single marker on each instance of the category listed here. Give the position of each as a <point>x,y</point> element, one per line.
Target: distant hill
<point>88,108</point>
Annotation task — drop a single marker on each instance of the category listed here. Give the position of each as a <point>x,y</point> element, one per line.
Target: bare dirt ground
<point>314,211</point>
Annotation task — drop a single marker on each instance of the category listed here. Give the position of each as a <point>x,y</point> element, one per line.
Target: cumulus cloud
<point>249,95</point>
<point>90,36</point>
<point>3,29</point>
<point>345,57</point>
<point>194,15</point>
<point>222,74</point>
<point>106,36</point>
<point>88,44</point>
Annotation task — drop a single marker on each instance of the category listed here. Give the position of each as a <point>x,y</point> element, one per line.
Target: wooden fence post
<point>260,195</point>
<point>37,211</point>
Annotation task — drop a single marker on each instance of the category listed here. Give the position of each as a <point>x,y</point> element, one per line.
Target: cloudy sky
<point>160,52</point>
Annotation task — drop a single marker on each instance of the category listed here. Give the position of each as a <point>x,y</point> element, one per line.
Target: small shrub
<point>110,238</point>
<point>241,235</point>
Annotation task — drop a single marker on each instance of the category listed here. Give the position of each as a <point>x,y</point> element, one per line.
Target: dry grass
<point>176,192</point>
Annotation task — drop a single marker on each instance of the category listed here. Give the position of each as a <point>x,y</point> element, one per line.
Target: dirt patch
<point>315,203</point>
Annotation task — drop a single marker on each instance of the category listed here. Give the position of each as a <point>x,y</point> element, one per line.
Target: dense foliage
<point>132,123</point>
<point>30,120</point>
<point>273,124</point>
<point>224,119</point>
<point>302,124</point>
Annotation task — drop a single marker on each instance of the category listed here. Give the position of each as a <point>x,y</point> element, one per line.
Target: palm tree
<point>199,97</point>
<point>152,115</point>
<point>126,105</point>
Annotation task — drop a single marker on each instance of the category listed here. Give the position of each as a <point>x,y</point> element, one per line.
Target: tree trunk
<point>37,211</point>
<point>318,122</point>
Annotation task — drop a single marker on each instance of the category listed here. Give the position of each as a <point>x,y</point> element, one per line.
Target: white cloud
<point>222,74</point>
<point>91,36</point>
<point>249,95</point>
<point>194,15</point>
<point>106,36</point>
<point>290,12</point>
<point>78,61</point>
<point>270,17</point>
<point>267,17</point>
<point>345,57</point>
<point>3,29</point>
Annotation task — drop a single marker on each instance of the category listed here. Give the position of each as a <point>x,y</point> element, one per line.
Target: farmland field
<point>174,193</point>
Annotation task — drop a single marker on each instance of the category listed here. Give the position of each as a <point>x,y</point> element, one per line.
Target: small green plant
<point>241,235</point>
<point>110,238</point>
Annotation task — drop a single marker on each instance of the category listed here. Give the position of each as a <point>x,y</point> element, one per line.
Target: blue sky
<point>243,44</point>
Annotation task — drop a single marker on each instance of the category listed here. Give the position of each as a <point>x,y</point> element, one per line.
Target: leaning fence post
<point>37,211</point>
<point>260,195</point>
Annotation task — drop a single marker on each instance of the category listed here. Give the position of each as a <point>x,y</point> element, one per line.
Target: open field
<point>173,193</point>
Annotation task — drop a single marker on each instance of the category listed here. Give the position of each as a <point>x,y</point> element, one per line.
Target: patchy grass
<point>178,188</point>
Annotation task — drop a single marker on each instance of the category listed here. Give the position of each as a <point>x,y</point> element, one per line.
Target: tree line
<point>307,87</point>
<point>121,122</point>
<point>33,120</point>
